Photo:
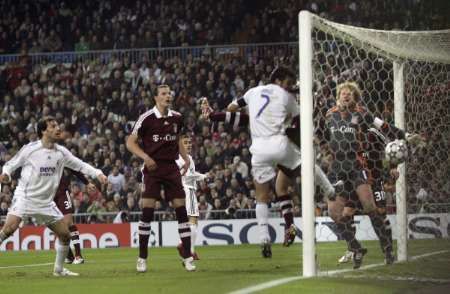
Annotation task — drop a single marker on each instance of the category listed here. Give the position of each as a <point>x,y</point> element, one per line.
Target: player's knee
<point>64,237</point>
<point>369,207</point>
<point>381,210</point>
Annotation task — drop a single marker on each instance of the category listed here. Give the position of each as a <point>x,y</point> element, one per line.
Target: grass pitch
<point>223,269</point>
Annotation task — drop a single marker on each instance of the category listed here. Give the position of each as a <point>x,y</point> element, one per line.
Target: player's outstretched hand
<point>205,108</point>
<point>416,140</point>
<point>4,178</point>
<point>102,179</point>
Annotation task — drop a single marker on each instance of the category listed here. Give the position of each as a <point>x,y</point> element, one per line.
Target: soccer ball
<point>396,151</point>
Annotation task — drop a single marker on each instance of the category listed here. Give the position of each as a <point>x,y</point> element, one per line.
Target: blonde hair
<point>352,86</point>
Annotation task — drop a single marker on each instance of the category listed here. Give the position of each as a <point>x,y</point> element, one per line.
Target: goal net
<point>404,78</point>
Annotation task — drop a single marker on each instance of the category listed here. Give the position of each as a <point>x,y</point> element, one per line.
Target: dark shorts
<point>64,203</point>
<point>352,179</point>
<point>166,176</point>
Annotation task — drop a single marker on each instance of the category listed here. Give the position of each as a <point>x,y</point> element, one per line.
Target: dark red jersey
<point>159,134</point>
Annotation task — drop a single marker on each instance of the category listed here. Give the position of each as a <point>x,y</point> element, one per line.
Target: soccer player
<point>63,201</point>
<point>346,126</point>
<point>189,180</point>
<point>42,163</point>
<point>285,175</point>
<point>271,110</point>
<point>373,153</point>
<point>159,130</point>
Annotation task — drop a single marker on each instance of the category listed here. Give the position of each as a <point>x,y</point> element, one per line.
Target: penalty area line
<point>270,284</point>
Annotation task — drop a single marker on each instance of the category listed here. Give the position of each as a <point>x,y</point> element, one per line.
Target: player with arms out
<point>159,129</point>
<point>374,154</point>
<point>190,179</point>
<point>346,126</point>
<point>271,109</point>
<point>42,164</point>
<point>284,125</point>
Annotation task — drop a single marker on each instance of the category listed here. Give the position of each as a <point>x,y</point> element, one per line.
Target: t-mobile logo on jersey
<point>343,129</point>
<point>167,138</point>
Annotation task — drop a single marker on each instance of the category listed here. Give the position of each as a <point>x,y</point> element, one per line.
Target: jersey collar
<point>158,114</point>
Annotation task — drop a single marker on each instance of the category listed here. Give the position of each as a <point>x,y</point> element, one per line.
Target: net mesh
<point>343,53</point>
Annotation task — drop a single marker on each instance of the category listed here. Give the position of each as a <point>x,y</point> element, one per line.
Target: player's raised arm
<point>77,164</point>
<point>236,104</point>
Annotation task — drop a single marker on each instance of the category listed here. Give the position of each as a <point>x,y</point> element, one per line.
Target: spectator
<point>116,179</point>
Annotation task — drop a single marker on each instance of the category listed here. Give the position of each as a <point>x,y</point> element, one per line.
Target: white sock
<point>323,182</point>
<point>61,253</point>
<point>262,216</point>
<point>193,236</point>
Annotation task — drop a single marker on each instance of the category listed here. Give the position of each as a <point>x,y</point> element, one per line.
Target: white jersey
<point>270,110</point>
<point>191,177</point>
<point>41,172</point>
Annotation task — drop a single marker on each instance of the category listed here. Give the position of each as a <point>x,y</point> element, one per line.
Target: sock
<point>323,182</point>
<point>70,254</point>
<point>61,253</point>
<point>184,230</point>
<point>379,226</point>
<point>387,226</point>
<point>262,216</point>
<point>193,236</point>
<point>144,231</point>
<point>75,238</point>
<point>346,228</point>
<point>286,205</point>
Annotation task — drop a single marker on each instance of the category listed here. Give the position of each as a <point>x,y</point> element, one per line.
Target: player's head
<point>48,127</point>
<point>186,140</point>
<point>163,97</point>
<point>348,95</point>
<point>283,77</point>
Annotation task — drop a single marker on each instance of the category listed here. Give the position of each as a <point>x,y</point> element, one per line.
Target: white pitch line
<point>26,265</point>
<point>270,284</point>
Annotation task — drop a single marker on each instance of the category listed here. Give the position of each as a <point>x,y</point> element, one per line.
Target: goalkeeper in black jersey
<point>346,128</point>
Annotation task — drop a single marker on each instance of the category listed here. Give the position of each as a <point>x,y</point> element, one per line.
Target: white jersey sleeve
<point>77,164</point>
<point>16,162</point>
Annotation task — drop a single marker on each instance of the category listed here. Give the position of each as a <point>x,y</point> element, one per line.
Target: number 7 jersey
<point>271,109</point>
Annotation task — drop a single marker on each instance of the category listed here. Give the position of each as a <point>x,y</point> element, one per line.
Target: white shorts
<point>267,153</point>
<point>191,202</point>
<point>43,215</point>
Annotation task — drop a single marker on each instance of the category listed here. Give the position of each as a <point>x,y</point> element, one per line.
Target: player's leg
<point>341,210</point>
<point>75,239</point>
<point>150,192</point>
<point>262,216</point>
<point>284,179</point>
<point>381,223</point>
<point>193,221</point>
<point>175,192</point>
<point>62,247</point>
<point>184,230</point>
<point>11,225</point>
<point>193,214</point>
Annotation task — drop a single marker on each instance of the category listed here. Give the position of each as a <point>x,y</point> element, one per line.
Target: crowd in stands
<point>51,26</point>
<point>97,101</point>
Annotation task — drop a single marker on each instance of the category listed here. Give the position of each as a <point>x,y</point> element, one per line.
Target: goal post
<point>404,78</point>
